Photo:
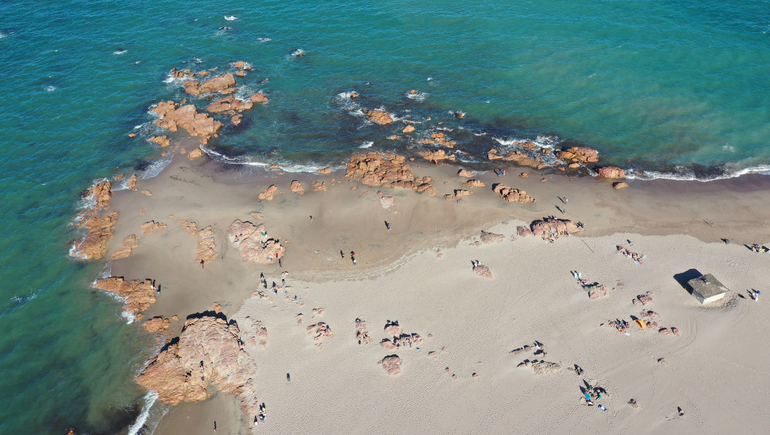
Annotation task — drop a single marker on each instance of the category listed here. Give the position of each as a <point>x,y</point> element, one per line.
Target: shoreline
<point>606,211</point>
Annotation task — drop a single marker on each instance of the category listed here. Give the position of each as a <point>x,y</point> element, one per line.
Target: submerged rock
<point>207,354</point>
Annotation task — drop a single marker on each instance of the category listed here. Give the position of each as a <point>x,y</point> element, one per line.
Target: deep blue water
<point>658,86</point>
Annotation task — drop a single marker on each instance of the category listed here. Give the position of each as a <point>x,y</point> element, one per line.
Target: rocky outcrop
<point>214,84</point>
<point>324,171</point>
<point>487,238</point>
<point>509,194</point>
<point>132,182</point>
<point>548,227</point>
<point>139,294</point>
<point>427,188</point>
<point>482,271</point>
<point>408,129</point>
<point>297,187</point>
<point>229,106</point>
<point>194,154</point>
<point>387,201</point>
<point>465,173</point>
<point>258,98</point>
<point>523,231</point>
<point>377,169</point>
<point>163,141</point>
<point>439,139</point>
<point>206,246</point>
<point>379,116</point>
<point>267,194</point>
<point>517,157</point>
<point>391,364</point>
<point>126,246</point>
<point>579,155</point>
<point>172,116</point>
<point>319,186</point>
<point>474,183</point>
<point>157,323</point>
<point>437,156</point>
<point>619,185</point>
<point>611,172</point>
<point>207,354</point>
<point>151,227</point>
<point>100,229</point>
<point>390,170</point>
<point>253,243</point>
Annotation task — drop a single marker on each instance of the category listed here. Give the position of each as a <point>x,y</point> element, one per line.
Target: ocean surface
<point>667,88</point>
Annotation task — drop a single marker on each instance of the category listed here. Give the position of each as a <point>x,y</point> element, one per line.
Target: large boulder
<point>207,354</point>
<point>509,194</point>
<point>253,243</point>
<point>548,227</point>
<point>611,172</point>
<point>391,364</point>
<point>229,106</point>
<point>379,116</point>
<point>216,84</point>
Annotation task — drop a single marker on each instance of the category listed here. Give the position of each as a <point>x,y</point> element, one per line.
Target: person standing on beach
<point>353,257</point>
<point>201,263</point>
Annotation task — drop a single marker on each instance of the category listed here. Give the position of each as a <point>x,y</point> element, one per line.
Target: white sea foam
<point>285,166</point>
<point>128,316</point>
<point>367,144</point>
<point>50,88</point>
<point>263,39</point>
<point>684,173</point>
<point>298,52</point>
<point>21,300</point>
<point>420,96</point>
<point>149,400</point>
<point>156,167</point>
<point>3,35</point>
<point>231,18</point>
<point>119,52</point>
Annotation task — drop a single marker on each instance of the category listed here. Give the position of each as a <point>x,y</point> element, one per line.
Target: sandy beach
<point>465,377</point>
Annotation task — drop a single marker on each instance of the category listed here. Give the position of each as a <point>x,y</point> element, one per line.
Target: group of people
<point>632,255</point>
<point>760,249</point>
<point>754,295</point>
<point>595,393</point>
<point>261,415</point>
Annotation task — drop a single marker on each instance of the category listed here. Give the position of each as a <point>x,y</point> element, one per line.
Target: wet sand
<point>715,368</point>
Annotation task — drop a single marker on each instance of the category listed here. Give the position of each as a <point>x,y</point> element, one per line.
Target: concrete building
<point>707,289</point>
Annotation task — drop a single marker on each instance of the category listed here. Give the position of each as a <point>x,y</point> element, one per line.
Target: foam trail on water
<point>149,400</point>
<point>231,18</point>
<point>367,144</point>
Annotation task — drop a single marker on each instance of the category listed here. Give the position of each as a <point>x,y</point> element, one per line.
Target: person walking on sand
<point>201,263</point>
<point>353,257</point>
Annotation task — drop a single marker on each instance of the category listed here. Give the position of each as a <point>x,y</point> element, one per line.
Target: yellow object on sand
<point>639,322</point>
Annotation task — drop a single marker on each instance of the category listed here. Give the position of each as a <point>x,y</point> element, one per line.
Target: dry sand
<point>716,370</point>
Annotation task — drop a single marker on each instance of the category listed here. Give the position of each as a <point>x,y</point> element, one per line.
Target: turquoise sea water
<point>675,87</point>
